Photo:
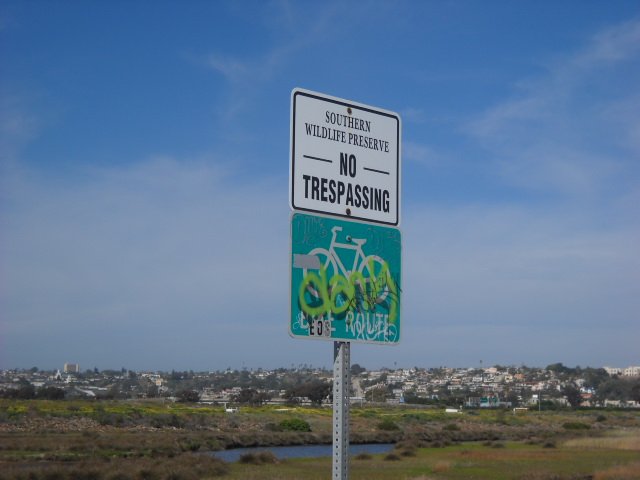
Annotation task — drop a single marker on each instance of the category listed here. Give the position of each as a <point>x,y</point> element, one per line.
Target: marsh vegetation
<point>120,440</point>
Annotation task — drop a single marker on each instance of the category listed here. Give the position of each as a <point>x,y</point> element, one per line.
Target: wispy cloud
<point>412,114</point>
<point>560,133</point>
<point>421,154</point>
<point>17,125</point>
<point>612,45</point>
<point>297,29</point>
<point>232,69</point>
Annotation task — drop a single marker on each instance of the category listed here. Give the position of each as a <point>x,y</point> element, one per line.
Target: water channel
<point>302,451</point>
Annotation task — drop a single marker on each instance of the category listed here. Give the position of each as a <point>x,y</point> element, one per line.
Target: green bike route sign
<point>345,280</point>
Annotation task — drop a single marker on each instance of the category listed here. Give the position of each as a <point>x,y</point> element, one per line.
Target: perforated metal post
<point>341,382</point>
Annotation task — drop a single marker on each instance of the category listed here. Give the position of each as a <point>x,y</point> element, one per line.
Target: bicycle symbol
<point>372,275</point>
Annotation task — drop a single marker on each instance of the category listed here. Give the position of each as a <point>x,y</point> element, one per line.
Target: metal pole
<point>341,382</point>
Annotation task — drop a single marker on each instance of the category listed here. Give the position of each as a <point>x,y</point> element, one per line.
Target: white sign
<point>345,158</point>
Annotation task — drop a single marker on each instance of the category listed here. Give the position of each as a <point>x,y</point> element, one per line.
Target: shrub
<point>388,425</point>
<point>295,425</point>
<point>392,457</point>
<point>190,445</point>
<point>258,458</point>
<point>405,449</point>
<point>407,452</point>
<point>363,456</point>
<point>166,420</point>
<point>442,466</point>
<point>267,457</point>
<point>451,427</point>
<point>112,419</point>
<point>410,444</point>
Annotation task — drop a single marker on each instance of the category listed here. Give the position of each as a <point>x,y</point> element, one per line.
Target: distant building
<point>613,371</point>
<point>71,368</point>
<point>490,401</point>
<point>631,371</point>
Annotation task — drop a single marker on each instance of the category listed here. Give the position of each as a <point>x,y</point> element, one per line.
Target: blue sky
<point>144,218</point>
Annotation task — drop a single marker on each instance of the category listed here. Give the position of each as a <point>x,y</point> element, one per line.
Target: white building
<point>71,368</point>
<point>633,371</point>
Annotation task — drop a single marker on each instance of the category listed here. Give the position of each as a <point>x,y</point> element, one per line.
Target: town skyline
<point>556,385</point>
<point>68,367</point>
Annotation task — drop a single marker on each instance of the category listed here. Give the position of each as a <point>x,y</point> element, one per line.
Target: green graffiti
<point>319,285</point>
<point>317,296</point>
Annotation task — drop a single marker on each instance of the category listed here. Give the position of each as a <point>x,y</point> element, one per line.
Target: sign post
<point>341,383</point>
<point>345,241</point>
